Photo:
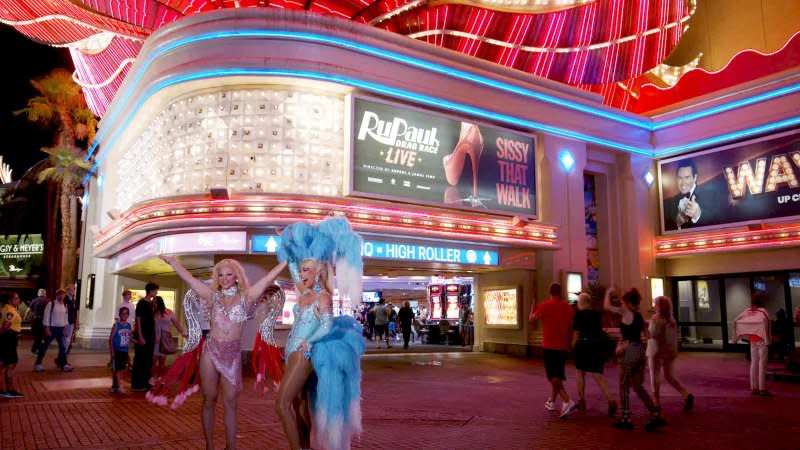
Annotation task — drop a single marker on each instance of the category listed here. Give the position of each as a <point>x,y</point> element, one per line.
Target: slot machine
<point>435,300</point>
<point>452,303</point>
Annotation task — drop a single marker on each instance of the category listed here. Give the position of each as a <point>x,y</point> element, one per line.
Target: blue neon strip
<point>423,99</point>
<point>728,106</point>
<point>644,124</point>
<point>414,62</point>
<point>400,251</point>
<point>647,125</point>
<point>730,136</point>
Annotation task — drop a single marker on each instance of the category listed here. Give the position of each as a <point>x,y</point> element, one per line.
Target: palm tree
<point>60,107</point>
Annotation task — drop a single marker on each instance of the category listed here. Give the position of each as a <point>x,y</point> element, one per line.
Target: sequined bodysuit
<point>224,341</point>
<point>308,327</point>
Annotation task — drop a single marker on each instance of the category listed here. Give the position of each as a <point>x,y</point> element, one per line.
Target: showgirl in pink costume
<point>229,302</point>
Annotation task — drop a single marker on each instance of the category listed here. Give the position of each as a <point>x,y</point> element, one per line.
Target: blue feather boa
<point>335,390</point>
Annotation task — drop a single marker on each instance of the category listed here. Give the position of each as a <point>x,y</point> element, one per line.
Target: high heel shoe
<point>470,143</point>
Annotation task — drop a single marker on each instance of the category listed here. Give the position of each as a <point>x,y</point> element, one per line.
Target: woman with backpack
<point>662,349</point>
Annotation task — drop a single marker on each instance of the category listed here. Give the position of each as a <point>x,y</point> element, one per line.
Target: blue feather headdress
<point>331,241</point>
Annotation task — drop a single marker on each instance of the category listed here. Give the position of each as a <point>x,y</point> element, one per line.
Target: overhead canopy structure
<point>597,45</point>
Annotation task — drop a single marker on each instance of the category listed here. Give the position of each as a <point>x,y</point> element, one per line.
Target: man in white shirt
<point>55,322</point>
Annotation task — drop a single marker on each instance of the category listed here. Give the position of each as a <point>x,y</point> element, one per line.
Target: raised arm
<point>325,314</point>
<point>198,286</point>
<point>255,291</point>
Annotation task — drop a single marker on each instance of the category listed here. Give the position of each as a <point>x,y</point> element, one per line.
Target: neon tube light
<point>397,93</point>
<point>428,100</point>
<point>385,54</point>
<point>729,136</point>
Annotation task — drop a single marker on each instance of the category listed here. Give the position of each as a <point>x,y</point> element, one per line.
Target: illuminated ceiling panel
<point>592,44</point>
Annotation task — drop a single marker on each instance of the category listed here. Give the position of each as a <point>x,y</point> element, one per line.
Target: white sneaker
<point>550,406</point>
<point>66,368</point>
<point>567,408</point>
<point>38,368</point>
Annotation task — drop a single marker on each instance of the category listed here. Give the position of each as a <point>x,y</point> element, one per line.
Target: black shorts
<point>554,363</point>
<point>120,361</point>
<point>382,330</point>
<point>8,348</point>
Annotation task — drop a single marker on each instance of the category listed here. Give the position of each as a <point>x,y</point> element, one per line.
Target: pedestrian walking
<point>631,374</point>
<point>381,324</point>
<point>590,343</point>
<point>145,340</point>
<point>662,350</point>
<point>10,328</point>
<point>37,313</point>
<point>73,316</point>
<point>753,325</point>
<point>556,316</point>
<point>118,344</point>
<point>55,324</point>
<point>406,318</point>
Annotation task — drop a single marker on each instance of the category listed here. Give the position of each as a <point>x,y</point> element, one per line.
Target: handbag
<point>167,345</point>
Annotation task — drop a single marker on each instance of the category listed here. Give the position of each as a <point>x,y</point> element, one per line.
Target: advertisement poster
<point>501,307</point>
<point>410,155</point>
<point>21,255</point>
<point>703,301</point>
<point>747,182</point>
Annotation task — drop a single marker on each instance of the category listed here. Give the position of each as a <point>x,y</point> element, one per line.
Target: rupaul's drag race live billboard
<point>411,155</point>
<point>747,182</point>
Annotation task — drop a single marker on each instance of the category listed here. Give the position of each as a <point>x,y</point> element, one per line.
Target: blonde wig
<point>238,272</point>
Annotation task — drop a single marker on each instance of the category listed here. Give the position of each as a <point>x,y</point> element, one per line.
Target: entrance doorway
<point>707,306</point>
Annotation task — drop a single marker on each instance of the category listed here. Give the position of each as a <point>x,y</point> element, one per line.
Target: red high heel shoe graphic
<point>470,143</point>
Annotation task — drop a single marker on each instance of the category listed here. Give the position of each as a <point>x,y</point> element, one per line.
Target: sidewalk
<point>420,400</point>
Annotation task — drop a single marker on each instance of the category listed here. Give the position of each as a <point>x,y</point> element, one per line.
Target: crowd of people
<point>384,323</point>
<point>319,382</point>
<point>642,345</point>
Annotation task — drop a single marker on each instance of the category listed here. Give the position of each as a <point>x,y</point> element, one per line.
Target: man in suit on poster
<point>694,206</point>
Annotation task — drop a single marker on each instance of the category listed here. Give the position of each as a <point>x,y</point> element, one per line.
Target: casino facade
<point>482,149</point>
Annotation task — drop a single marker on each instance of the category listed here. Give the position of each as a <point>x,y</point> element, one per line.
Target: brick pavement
<point>468,401</point>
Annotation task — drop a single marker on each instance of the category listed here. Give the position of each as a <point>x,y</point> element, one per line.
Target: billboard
<point>501,307</point>
<point>747,182</point>
<point>406,154</point>
<point>21,255</point>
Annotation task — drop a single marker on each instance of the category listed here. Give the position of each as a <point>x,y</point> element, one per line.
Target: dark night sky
<point>22,140</point>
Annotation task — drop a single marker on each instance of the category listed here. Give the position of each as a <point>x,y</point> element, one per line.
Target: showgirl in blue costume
<point>322,382</point>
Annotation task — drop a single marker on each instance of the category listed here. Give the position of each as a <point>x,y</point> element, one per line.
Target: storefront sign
<point>209,243</point>
<point>501,307</point>
<point>21,255</point>
<point>421,157</point>
<point>401,251</point>
<point>753,181</point>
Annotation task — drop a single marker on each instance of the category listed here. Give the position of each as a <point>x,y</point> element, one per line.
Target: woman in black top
<point>633,361</point>
<point>589,341</point>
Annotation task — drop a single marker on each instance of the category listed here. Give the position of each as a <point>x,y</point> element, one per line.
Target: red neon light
<point>197,208</point>
<point>730,234</point>
<point>731,246</point>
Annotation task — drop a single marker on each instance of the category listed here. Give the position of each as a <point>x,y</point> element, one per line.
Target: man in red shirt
<point>556,316</point>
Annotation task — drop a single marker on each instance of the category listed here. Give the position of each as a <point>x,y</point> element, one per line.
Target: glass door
<point>700,311</point>
<point>794,312</point>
